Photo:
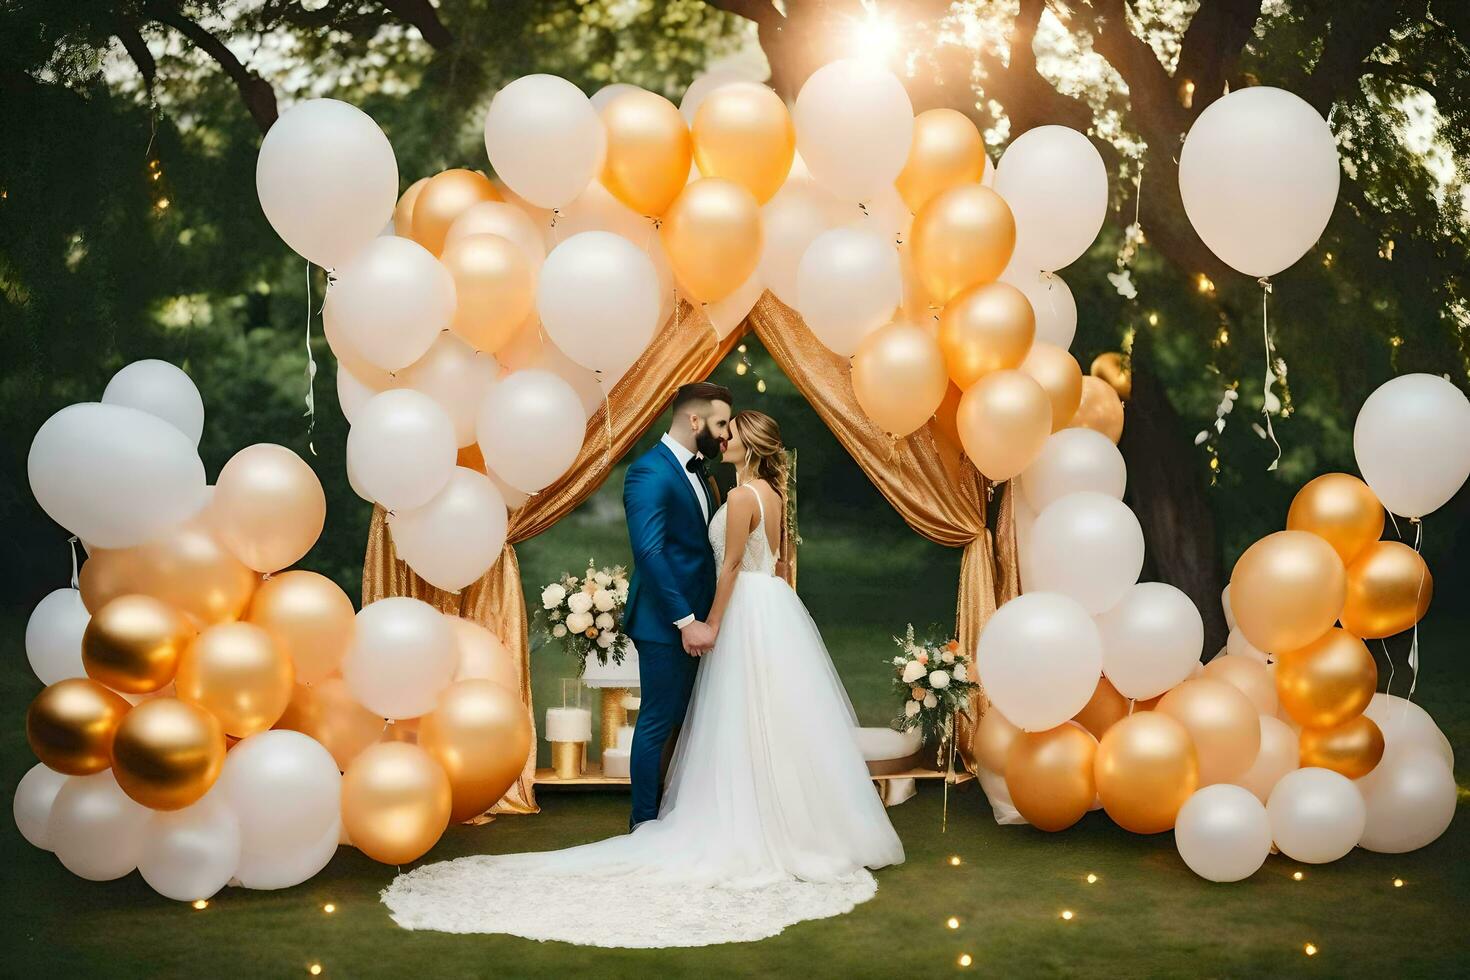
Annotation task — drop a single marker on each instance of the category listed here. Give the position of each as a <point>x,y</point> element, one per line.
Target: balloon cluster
<point>182,643</point>
<point>1281,738</point>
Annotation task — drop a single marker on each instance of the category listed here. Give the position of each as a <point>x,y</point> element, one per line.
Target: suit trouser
<point>666,677</point>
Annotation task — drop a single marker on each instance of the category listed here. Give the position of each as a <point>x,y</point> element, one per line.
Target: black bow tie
<point>695,465</point>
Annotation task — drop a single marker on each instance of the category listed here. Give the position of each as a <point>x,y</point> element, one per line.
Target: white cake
<point>568,725</point>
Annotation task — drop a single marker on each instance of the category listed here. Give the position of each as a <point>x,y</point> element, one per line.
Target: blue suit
<point>673,577</point>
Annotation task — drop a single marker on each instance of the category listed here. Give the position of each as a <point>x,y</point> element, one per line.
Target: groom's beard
<point>709,446</point>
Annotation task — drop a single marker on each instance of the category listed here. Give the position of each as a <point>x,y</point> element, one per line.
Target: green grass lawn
<point>1147,915</point>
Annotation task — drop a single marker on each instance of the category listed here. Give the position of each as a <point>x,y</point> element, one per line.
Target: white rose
<point>605,640</point>
<point>621,584</point>
<point>603,579</point>
<point>930,701</point>
<point>913,672</point>
<point>947,657</point>
<point>911,709</point>
<point>605,621</point>
<point>622,594</point>
<point>960,674</point>
<point>939,680</point>
<point>580,602</point>
<point>579,622</point>
<point>552,596</point>
<point>899,661</point>
<point>603,600</point>
<point>558,631</point>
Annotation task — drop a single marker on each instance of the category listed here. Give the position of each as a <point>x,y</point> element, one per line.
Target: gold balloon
<point>445,197</point>
<point>1353,748</point>
<point>1059,374</point>
<point>1388,590</point>
<point>1146,769</point>
<point>898,377</point>
<point>329,713</point>
<point>1328,682</point>
<point>1222,722</point>
<point>648,151</point>
<point>743,132</point>
<point>480,732</point>
<point>133,644</point>
<point>1100,409</point>
<point>310,617</point>
<point>947,151</point>
<point>1247,675</point>
<point>403,211</point>
<point>1109,366</point>
<point>1050,776</point>
<point>1104,710</point>
<point>238,673</point>
<point>984,329</point>
<point>1003,422</point>
<point>167,754</point>
<point>712,234</point>
<point>495,290</point>
<point>992,741</point>
<point>482,655</point>
<point>395,802</point>
<point>962,238</point>
<point>185,566</point>
<point>1287,590</point>
<point>268,507</point>
<point>70,725</point>
<point>1341,509</point>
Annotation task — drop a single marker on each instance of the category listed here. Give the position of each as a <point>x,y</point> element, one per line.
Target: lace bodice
<point>758,557</point>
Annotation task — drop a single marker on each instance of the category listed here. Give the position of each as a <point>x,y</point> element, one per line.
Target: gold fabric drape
<point>685,350</point>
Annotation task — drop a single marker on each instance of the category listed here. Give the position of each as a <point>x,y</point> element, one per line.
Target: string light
<point>965,959</point>
<point>953,922</point>
<point>1186,94</point>
<point>1066,915</point>
<point>1204,283</point>
<point>162,204</point>
<point>1297,876</point>
<point>1153,319</point>
<point>329,908</point>
<point>1092,879</point>
<point>740,369</point>
<point>760,385</point>
<point>1310,949</point>
<point>315,969</point>
<point>200,903</point>
<point>741,348</point>
<point>954,860</point>
<point>1398,883</point>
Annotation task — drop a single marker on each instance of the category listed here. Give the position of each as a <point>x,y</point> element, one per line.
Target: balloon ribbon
<point>1265,283</point>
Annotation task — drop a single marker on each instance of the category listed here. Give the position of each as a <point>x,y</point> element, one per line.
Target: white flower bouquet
<point>585,614</point>
<point>935,680</point>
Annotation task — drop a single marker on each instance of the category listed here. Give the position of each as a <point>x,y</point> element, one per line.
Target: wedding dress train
<point>769,817</point>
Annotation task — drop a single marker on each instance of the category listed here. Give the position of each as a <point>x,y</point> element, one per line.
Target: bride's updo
<point>764,451</point>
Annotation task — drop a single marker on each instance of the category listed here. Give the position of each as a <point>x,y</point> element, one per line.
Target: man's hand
<point>698,638</point>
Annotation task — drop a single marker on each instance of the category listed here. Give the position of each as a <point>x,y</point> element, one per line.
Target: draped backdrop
<point>924,476</point>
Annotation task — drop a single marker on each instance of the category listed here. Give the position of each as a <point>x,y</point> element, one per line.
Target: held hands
<point>698,638</point>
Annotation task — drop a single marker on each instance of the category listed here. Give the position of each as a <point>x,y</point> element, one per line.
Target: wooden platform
<point>594,777</point>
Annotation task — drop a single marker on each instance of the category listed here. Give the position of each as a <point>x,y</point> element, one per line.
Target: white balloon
<point>1039,658</point>
<point>847,285</point>
<point>1412,443</point>
<point>728,313</point>
<point>854,125</point>
<point>159,388</point>
<point>1317,815</point>
<point>353,393</point>
<point>505,220</point>
<point>1225,605</point>
<point>390,303</point>
<point>284,787</point>
<point>595,209</point>
<point>95,828</point>
<point>457,377</point>
<point>703,85</point>
<point>1152,640</point>
<point>607,93</point>
<point>1280,754</point>
<point>192,853</point>
<point>285,867</point>
<point>327,180</point>
<point>1071,461</point>
<point>530,429</point>
<point>591,388</point>
<point>545,139</point>
<point>1052,302</point>
<point>1410,800</point>
<point>114,476</point>
<point>598,298</point>
<point>1259,174</point>
<point>453,539</point>
<point>402,655</point>
<point>1088,546</point>
<point>1057,186</point>
<point>885,213</point>
<point>1404,723</point>
<point>1025,524</point>
<point>34,796</point>
<point>790,221</point>
<point>1222,833</point>
<point>1236,645</point>
<point>54,636</point>
<point>402,448</point>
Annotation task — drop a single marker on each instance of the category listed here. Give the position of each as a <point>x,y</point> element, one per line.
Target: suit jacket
<point>673,566</point>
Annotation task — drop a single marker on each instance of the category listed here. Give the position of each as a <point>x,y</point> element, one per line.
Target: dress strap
<point>760,507</point>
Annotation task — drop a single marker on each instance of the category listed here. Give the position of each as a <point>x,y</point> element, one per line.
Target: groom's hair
<point>701,391</point>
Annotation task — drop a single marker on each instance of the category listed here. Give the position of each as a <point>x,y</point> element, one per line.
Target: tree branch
<point>422,15</point>
<point>1212,45</point>
<point>255,91</point>
<point>137,49</point>
<point>1350,41</point>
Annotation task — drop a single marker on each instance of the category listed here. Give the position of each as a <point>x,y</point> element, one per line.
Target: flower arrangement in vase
<point>935,680</point>
<point>584,614</point>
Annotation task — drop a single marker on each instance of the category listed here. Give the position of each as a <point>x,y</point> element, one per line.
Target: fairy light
<point>1092,879</point>
<point>1204,283</point>
<point>1223,337</point>
<point>1398,883</point>
<point>741,348</point>
<point>965,959</point>
<point>329,908</point>
<point>1310,949</point>
<point>1327,259</point>
<point>1297,876</point>
<point>760,385</point>
<point>315,969</point>
<point>1066,915</point>
<point>740,369</point>
<point>1153,319</point>
<point>953,922</point>
<point>1186,94</point>
<point>200,904</point>
<point>162,204</point>
<point>954,860</point>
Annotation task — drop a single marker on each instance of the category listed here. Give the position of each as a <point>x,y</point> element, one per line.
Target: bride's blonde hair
<point>765,454</point>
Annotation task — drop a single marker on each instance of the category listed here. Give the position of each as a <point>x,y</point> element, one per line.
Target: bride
<point>769,816</point>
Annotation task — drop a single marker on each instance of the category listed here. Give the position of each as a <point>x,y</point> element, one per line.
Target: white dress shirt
<point>683,456</point>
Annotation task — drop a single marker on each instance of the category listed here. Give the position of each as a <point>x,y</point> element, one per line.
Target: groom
<point>669,500</point>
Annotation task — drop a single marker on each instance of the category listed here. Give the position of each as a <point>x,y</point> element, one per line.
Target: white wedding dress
<point>769,817</point>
